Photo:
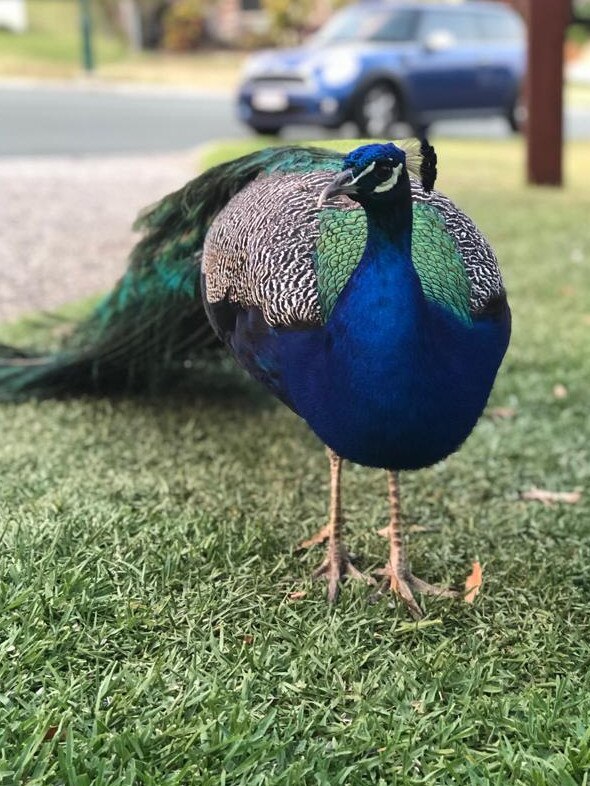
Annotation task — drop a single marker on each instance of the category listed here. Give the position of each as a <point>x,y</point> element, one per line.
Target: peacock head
<point>371,172</point>
<point>379,173</point>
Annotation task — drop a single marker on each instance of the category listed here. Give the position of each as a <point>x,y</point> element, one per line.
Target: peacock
<point>360,297</point>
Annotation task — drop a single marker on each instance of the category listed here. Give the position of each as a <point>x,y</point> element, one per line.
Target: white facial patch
<point>365,171</point>
<point>388,184</point>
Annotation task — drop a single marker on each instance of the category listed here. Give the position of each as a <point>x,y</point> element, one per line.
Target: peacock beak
<point>342,184</point>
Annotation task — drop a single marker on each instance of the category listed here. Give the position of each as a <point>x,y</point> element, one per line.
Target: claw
<point>404,584</point>
<point>335,568</point>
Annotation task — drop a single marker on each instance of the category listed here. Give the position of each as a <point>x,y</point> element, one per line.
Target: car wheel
<point>266,131</point>
<point>517,114</point>
<point>378,110</point>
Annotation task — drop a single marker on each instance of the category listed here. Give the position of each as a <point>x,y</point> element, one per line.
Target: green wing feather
<point>340,246</point>
<point>438,262</point>
<point>141,334</point>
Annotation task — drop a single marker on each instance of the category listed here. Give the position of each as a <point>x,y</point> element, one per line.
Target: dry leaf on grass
<point>473,583</point>
<point>51,732</point>
<point>501,412</point>
<point>549,497</point>
<point>559,391</point>
<point>413,528</point>
<point>247,638</point>
<point>296,595</point>
<point>320,537</point>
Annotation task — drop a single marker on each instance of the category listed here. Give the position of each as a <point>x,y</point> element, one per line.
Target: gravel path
<point>65,223</point>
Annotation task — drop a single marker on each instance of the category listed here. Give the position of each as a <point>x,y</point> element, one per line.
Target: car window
<point>462,26</point>
<point>501,27</point>
<point>400,26</point>
<point>362,24</point>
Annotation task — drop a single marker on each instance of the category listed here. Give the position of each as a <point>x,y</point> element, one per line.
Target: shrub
<point>183,25</point>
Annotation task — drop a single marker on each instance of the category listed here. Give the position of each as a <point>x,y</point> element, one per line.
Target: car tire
<point>378,110</point>
<point>266,131</point>
<point>517,114</point>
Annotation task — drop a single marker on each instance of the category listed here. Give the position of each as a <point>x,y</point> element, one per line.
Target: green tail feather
<point>142,334</point>
<point>139,338</point>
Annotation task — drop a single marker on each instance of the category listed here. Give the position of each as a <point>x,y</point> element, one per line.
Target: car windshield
<point>364,24</point>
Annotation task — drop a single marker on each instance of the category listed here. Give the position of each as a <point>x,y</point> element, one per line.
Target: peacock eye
<point>383,170</point>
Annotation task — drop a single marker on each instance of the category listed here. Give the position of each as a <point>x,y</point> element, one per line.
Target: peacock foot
<point>403,583</point>
<point>336,567</point>
<point>319,537</point>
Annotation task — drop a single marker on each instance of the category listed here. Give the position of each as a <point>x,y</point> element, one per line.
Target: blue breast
<point>391,380</point>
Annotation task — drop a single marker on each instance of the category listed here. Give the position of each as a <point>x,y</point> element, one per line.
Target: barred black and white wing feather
<point>273,249</point>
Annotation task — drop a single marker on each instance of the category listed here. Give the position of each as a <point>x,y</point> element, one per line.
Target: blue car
<point>381,63</point>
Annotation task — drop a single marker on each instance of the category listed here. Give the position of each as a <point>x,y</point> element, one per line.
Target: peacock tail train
<point>141,335</point>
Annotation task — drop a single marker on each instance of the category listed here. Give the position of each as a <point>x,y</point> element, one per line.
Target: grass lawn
<point>147,631</point>
<point>51,47</point>
<point>204,70</point>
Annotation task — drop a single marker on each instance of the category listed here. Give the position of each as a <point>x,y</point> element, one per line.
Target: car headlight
<point>252,67</point>
<point>340,69</point>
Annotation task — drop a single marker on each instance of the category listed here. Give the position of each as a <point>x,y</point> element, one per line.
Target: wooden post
<point>547,22</point>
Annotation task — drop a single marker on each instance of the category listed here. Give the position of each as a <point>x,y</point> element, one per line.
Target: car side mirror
<point>439,41</point>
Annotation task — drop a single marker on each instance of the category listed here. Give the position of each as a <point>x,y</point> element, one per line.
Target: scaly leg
<point>323,534</point>
<point>401,580</point>
<point>337,564</point>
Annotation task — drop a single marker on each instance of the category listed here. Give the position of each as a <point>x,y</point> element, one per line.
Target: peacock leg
<point>323,534</point>
<point>401,581</point>
<point>337,564</point>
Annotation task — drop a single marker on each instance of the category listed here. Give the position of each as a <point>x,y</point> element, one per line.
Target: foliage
<point>578,33</point>
<point>581,9</point>
<point>177,25</point>
<point>183,25</point>
<point>148,631</point>
<point>290,21</point>
<point>336,5</point>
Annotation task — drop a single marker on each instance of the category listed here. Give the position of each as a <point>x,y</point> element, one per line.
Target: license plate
<point>270,101</point>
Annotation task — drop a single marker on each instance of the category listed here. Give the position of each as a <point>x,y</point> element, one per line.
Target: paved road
<point>87,120</point>
<point>62,121</point>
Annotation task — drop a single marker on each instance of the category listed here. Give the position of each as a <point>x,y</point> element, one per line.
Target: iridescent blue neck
<point>389,229</point>
<point>385,287</point>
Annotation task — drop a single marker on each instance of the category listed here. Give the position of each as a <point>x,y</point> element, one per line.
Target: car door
<point>444,72</point>
<point>502,58</point>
